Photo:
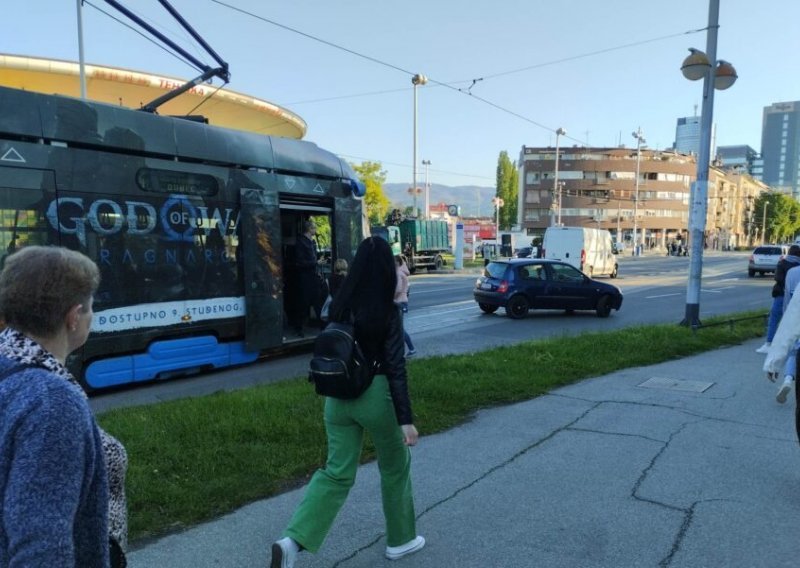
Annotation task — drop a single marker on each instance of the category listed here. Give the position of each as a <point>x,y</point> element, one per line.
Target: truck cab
<point>422,242</point>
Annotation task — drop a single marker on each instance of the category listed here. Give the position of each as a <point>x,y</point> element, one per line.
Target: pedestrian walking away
<point>791,260</point>
<point>366,298</point>
<point>789,373</point>
<point>62,478</point>
<point>401,297</point>
<point>780,352</point>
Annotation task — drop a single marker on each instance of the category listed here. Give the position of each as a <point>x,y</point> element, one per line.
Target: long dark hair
<point>367,292</point>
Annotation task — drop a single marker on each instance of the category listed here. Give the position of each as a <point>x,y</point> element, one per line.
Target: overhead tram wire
<point>378,61</point>
<point>206,99</point>
<point>588,54</point>
<point>315,38</point>
<point>450,85</point>
<point>148,38</point>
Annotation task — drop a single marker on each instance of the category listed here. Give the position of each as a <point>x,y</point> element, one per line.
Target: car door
<point>569,289</point>
<point>533,282</point>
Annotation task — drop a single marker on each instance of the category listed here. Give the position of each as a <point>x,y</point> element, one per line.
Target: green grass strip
<point>194,459</point>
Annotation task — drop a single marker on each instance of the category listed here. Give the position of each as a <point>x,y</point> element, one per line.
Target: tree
<point>507,189</point>
<point>782,216</point>
<point>375,201</point>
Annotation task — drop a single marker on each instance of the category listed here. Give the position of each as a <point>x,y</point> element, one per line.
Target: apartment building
<point>598,187</point>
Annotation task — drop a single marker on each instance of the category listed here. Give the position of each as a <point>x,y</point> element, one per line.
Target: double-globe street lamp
<point>416,80</point>
<point>720,75</point>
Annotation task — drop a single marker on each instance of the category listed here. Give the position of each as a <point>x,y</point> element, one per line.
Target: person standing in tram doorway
<point>305,255</point>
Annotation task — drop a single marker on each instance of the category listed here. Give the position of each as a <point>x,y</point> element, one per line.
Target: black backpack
<point>338,367</point>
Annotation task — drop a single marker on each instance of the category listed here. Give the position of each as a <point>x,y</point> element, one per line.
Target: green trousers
<point>345,422</point>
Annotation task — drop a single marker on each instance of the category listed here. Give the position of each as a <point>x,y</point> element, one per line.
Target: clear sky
<point>577,74</point>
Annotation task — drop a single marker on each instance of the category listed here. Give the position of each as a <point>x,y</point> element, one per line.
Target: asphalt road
<point>444,319</point>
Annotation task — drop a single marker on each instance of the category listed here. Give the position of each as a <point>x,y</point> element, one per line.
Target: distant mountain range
<point>475,201</point>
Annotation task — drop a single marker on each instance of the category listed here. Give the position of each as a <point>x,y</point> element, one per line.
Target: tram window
<point>185,183</point>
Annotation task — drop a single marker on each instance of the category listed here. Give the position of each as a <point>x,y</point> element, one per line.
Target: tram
<point>192,226</point>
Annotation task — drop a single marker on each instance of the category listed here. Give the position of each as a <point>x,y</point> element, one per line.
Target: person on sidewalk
<point>401,297</point>
<point>791,260</point>
<point>63,478</point>
<point>785,340</point>
<point>384,410</point>
<point>791,282</point>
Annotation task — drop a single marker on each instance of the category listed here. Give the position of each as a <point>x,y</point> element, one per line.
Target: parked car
<point>523,284</point>
<point>765,259</point>
<point>523,252</point>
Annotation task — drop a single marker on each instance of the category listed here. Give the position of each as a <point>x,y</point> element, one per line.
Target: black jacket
<point>305,253</point>
<point>388,350</point>
<point>784,265</point>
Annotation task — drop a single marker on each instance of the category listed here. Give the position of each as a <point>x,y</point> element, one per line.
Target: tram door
<point>304,292</point>
<point>263,268</point>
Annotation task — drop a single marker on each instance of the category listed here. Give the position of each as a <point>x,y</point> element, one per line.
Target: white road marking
<point>662,296</point>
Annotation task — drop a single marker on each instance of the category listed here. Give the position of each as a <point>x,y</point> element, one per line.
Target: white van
<point>588,250</point>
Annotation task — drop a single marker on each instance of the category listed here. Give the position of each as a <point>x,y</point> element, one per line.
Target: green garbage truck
<point>422,242</point>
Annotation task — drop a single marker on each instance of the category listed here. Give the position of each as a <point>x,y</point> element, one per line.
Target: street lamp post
<point>556,188</point>
<point>427,163</point>
<point>498,203</point>
<point>639,141</point>
<point>715,74</point>
<point>764,224</point>
<point>416,80</point>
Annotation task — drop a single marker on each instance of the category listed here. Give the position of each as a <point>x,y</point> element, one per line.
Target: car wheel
<point>615,271</point>
<point>487,308</point>
<point>751,273</point>
<point>603,307</point>
<point>517,307</point>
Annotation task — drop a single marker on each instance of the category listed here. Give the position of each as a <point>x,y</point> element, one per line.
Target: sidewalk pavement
<point>614,471</point>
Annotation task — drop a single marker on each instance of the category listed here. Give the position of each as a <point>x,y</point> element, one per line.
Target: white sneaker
<point>764,348</point>
<point>783,392</point>
<point>284,553</point>
<point>398,552</point>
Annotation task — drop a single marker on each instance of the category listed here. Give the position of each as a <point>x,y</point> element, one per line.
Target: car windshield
<point>768,250</point>
<point>495,269</point>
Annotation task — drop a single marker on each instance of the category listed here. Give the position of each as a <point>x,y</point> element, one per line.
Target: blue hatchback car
<point>523,284</point>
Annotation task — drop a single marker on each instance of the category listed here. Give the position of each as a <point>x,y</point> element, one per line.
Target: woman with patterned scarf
<point>62,478</point>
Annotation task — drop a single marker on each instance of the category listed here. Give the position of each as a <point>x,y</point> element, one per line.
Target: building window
<point>622,175</point>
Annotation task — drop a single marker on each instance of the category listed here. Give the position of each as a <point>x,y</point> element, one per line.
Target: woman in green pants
<point>384,410</point>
